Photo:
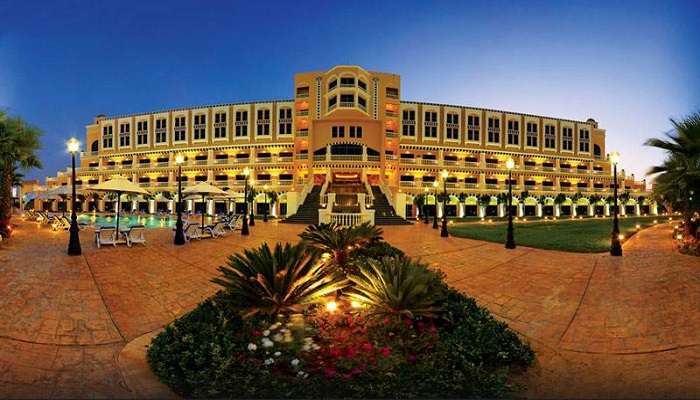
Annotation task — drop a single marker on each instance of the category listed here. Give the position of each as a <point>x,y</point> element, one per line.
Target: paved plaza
<point>601,326</point>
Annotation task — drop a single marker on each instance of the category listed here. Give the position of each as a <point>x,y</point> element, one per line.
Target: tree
<point>677,179</point>
<point>19,142</point>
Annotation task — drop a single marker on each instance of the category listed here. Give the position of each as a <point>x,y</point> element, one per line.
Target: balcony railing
<point>264,159</point>
<point>492,186</point>
<point>471,185</point>
<point>221,161</point>
<point>428,161</point>
<point>285,159</point>
<point>408,160</point>
<point>391,134</point>
<point>303,132</point>
<point>373,158</point>
<point>471,163</point>
<point>285,182</point>
<point>407,183</point>
<point>302,113</point>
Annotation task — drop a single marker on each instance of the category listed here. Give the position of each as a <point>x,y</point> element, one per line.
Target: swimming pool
<point>149,221</point>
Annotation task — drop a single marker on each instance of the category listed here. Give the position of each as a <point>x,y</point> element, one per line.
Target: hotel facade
<point>347,143</point>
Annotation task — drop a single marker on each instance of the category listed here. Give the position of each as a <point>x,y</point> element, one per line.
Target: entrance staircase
<point>384,213</point>
<point>307,213</point>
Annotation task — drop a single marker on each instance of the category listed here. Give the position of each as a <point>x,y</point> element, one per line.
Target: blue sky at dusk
<point>630,65</point>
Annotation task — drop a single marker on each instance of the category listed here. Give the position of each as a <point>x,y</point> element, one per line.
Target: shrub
<point>396,286</point>
<point>341,242</point>
<point>281,281</point>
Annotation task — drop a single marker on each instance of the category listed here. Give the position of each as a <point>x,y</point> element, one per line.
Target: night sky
<point>629,65</point>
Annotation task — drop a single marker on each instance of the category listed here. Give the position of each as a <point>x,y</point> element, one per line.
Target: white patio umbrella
<point>119,184</point>
<point>205,190</point>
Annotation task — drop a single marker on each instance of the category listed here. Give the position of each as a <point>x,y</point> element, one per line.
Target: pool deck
<point>602,327</point>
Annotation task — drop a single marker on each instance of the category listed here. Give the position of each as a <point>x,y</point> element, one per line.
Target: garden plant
<point>340,314</point>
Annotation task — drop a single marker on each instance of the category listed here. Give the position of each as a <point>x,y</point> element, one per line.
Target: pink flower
<point>367,347</point>
<point>329,372</point>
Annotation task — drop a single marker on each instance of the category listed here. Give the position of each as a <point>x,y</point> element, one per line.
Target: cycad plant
<point>285,280</point>
<point>341,241</point>
<point>397,286</point>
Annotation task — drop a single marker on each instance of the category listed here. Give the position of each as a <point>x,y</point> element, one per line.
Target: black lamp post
<point>615,246</point>
<point>443,231</point>
<point>510,240</point>
<point>179,232</point>
<point>244,228</point>
<point>74,243</point>
<point>435,186</point>
<point>252,203</point>
<point>266,204</point>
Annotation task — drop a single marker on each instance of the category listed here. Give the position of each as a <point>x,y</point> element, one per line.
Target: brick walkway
<point>602,327</point>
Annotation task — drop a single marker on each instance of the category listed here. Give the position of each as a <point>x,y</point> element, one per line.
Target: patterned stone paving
<point>601,326</point>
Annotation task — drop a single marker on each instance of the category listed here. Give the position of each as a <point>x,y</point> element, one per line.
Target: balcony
<point>199,162</point>
<point>221,161</point>
<point>530,167</point>
<point>285,158</point>
<point>450,162</point>
<point>548,188</point>
<point>548,169</point>
<point>110,167</point>
<point>162,184</point>
<point>405,160</point>
<point>530,187</point>
<point>302,132</point>
<point>242,160</point>
<point>285,182</point>
<point>492,186</point>
<point>471,163</point>
<point>407,183</point>
<point>346,157</point>
<point>471,185</point>
<point>302,156</point>
<point>302,113</point>
<point>428,161</point>
<point>264,160</point>
<point>373,158</point>
<point>452,185</point>
<point>391,134</point>
<point>319,157</point>
<point>564,169</point>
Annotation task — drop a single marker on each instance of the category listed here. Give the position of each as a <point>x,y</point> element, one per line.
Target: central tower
<point>347,122</point>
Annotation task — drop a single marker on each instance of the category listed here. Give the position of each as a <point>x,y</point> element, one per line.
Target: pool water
<point>149,221</point>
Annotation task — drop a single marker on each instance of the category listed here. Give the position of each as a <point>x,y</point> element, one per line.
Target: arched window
<point>95,146</point>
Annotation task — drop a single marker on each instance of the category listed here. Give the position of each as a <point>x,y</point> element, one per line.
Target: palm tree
<point>340,242</point>
<point>19,142</point>
<point>678,177</point>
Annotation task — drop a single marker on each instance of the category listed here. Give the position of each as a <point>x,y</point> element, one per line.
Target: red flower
<point>385,351</point>
<point>334,352</point>
<point>329,372</point>
<point>367,347</point>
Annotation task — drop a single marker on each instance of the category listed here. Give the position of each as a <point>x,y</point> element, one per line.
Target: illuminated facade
<point>348,124</point>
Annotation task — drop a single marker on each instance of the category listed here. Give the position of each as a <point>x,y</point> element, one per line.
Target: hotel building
<point>347,143</point>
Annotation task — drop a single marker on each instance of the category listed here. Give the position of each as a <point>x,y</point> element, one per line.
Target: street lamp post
<point>443,231</point>
<point>244,228</point>
<point>252,202</point>
<point>266,204</point>
<point>74,243</point>
<point>615,246</point>
<point>435,186</point>
<point>179,232</point>
<point>510,240</point>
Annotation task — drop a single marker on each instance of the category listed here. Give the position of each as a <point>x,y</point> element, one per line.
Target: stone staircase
<point>384,213</point>
<point>307,213</point>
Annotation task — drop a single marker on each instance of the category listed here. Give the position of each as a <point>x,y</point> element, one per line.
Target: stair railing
<point>387,193</point>
<point>306,190</point>
<point>370,194</point>
<point>323,196</point>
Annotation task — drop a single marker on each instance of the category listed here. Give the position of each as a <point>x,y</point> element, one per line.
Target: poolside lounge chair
<point>193,231</point>
<point>135,234</point>
<point>234,222</point>
<point>215,231</point>
<point>106,235</point>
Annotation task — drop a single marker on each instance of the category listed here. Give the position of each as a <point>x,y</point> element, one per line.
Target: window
<point>220,125</point>
<point>285,121</point>
<point>473,128</point>
<point>550,137</point>
<point>161,130</point>
<point>332,84</point>
<point>200,127</point>
<point>124,135</point>
<point>362,102</point>
<point>241,123</point>
<point>107,137</point>
<point>392,93</point>
<point>567,139</point>
<point>584,140</point>
<point>430,125</point>
<point>494,130</point>
<point>347,82</point>
<point>303,91</point>
<point>513,132</point>
<point>263,123</point>
<point>338,131</point>
<point>332,102</point>
<point>362,85</point>
<point>142,133</point>
<point>452,126</point>
<point>355,132</point>
<point>531,134</point>
<point>179,131</point>
<point>409,123</point>
<point>347,100</point>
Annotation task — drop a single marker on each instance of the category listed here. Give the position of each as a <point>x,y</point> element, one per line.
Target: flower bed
<point>432,342</point>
